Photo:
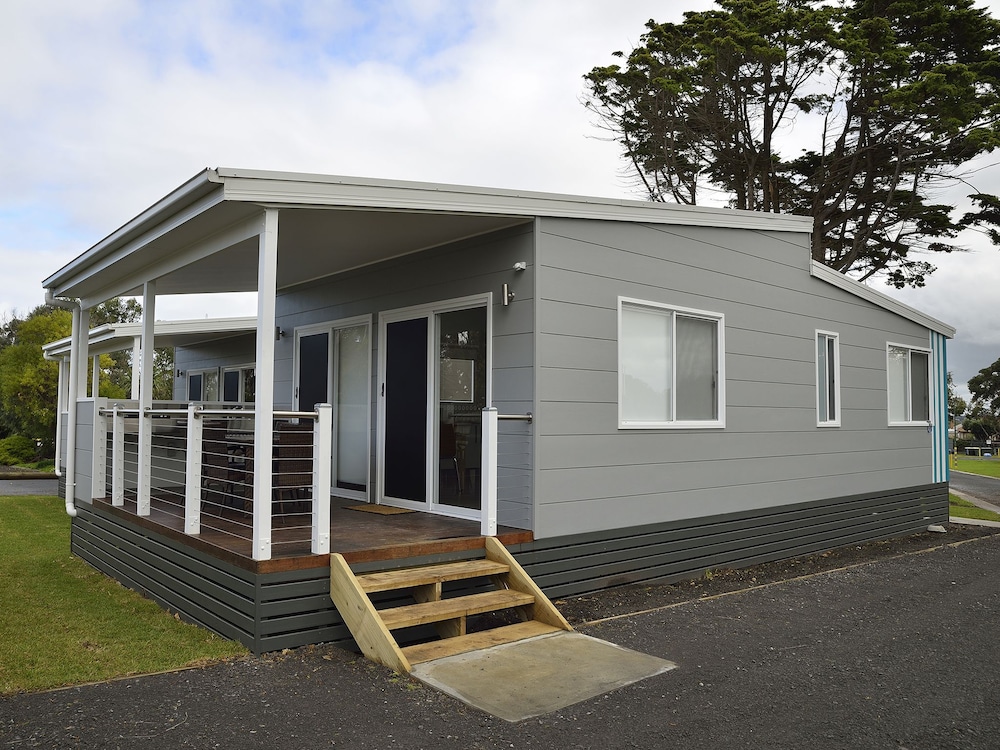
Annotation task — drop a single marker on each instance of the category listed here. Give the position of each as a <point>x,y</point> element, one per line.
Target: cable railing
<point>205,469</point>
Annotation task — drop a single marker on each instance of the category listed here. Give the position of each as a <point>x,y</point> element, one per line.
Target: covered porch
<point>257,473</point>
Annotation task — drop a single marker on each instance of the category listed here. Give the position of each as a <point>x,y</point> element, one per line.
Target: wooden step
<point>429,574</point>
<point>421,652</point>
<point>449,609</point>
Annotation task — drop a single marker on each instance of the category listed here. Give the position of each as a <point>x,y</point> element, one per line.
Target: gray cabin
<point>616,390</point>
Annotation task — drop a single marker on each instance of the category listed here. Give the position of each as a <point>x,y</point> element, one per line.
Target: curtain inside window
<point>898,367</point>
<point>645,365</point>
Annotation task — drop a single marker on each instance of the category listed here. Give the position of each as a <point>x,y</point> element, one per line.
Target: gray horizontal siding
<point>577,564</point>
<point>770,451</point>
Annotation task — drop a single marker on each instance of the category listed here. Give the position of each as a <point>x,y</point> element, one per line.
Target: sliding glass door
<point>434,384</point>
<point>333,365</point>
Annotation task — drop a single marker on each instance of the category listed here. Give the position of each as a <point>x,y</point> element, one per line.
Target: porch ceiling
<point>312,243</point>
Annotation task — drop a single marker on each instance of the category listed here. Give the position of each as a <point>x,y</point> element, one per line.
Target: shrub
<point>17,449</point>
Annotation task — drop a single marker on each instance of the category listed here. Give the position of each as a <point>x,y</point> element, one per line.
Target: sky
<point>108,105</point>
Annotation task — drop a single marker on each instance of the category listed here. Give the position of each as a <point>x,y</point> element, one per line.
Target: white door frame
<point>329,327</point>
<point>428,311</point>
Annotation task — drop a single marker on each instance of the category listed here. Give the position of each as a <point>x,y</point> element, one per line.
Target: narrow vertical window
<point>908,382</point>
<point>827,379</point>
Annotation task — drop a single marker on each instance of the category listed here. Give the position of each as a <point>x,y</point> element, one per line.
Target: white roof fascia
<point>865,292</point>
<point>179,206</point>
<point>119,333</point>
<point>281,188</point>
<point>231,235</point>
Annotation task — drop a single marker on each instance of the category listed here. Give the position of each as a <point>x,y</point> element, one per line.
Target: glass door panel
<point>459,400</point>
<point>351,380</point>
<point>405,431</point>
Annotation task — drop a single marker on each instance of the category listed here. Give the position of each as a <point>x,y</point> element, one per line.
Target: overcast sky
<point>107,105</point>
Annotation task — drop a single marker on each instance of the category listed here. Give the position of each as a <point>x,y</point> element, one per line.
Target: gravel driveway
<point>897,653</point>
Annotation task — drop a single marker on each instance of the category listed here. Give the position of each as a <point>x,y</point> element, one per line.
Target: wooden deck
<point>358,536</point>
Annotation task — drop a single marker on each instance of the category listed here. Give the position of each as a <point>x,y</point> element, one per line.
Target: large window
<point>669,366</point>
<point>827,379</point>
<point>909,385</point>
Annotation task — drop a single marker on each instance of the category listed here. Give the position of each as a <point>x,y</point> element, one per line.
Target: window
<point>238,385</point>
<point>908,372</point>
<point>203,385</point>
<point>669,366</point>
<point>827,379</point>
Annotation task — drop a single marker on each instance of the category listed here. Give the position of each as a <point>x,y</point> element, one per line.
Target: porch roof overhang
<point>168,333</point>
<point>203,237</point>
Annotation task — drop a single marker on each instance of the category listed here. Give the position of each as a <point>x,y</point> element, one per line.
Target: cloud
<point>110,104</point>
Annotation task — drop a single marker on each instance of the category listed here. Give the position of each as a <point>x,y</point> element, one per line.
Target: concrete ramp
<point>536,676</point>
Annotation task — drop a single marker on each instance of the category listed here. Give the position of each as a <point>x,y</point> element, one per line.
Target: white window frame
<point>241,369</point>
<point>821,408</point>
<point>909,422</point>
<point>720,386</point>
<point>203,372</point>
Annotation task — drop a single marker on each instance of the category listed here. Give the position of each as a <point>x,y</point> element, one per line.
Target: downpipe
<point>74,369</point>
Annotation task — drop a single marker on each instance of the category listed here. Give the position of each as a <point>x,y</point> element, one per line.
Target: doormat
<point>382,510</point>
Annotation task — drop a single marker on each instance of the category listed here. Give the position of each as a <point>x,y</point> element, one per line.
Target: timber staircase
<point>373,628</point>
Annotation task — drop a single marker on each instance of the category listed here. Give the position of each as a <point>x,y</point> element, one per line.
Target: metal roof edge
<point>60,347</point>
<point>825,273</point>
<point>182,195</point>
<point>277,188</point>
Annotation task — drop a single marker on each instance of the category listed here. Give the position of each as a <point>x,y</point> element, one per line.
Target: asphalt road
<point>982,488</point>
<point>29,487</point>
<point>899,653</point>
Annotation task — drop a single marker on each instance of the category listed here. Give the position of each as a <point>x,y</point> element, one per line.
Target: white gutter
<point>74,380</point>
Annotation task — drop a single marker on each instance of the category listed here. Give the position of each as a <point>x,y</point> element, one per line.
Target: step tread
<point>461,644</point>
<point>387,580</point>
<point>448,609</point>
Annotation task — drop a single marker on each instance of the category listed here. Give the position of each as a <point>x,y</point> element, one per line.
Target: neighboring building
<point>701,393</point>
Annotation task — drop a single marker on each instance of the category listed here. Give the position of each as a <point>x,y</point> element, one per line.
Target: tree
<point>985,388</point>
<point>29,383</point>
<point>956,404</point>
<point>891,99</point>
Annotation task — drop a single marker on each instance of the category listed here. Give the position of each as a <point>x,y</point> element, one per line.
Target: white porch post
<point>95,375</point>
<point>267,274</point>
<point>78,356</point>
<point>322,454</point>
<point>489,472</point>
<point>192,490</point>
<point>144,467</point>
<point>118,457</point>
<point>136,357</point>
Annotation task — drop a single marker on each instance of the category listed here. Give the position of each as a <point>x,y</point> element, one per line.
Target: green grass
<point>988,467</point>
<point>964,509</point>
<point>64,623</point>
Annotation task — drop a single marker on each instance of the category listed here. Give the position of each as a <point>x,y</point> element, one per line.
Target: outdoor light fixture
<point>278,333</point>
<point>508,294</point>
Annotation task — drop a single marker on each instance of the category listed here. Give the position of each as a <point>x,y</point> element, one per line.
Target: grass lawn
<point>988,467</point>
<point>964,509</point>
<point>64,623</point>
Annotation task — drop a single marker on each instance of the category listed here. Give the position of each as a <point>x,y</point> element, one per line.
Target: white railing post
<point>99,485</point>
<point>489,472</point>
<point>144,464</point>
<point>192,472</point>
<point>322,460</point>
<point>117,457</point>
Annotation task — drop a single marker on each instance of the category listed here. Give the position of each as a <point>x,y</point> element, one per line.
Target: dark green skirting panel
<point>272,611</point>
<point>573,565</point>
